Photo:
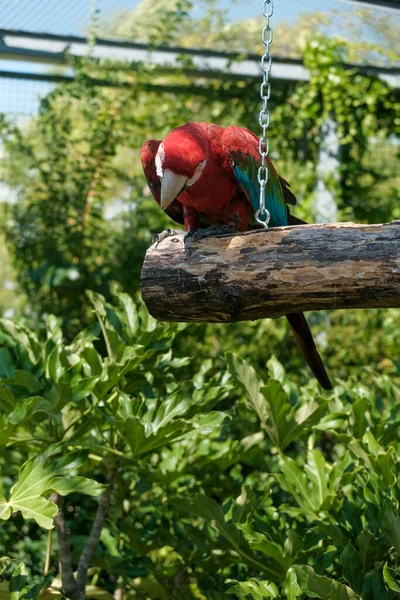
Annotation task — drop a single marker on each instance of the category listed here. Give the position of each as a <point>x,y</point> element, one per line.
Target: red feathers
<point>184,148</point>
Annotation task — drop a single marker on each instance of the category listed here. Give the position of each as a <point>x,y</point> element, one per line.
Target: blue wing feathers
<point>241,145</point>
<point>273,194</point>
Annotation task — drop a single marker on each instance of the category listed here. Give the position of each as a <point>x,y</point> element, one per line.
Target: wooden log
<point>268,273</point>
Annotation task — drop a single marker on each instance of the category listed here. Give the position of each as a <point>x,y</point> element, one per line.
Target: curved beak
<point>171,186</point>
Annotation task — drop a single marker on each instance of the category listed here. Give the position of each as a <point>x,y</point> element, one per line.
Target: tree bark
<point>269,273</point>
<point>69,585</point>
<point>94,537</point>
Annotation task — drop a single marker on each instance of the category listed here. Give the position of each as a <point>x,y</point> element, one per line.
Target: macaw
<point>206,176</point>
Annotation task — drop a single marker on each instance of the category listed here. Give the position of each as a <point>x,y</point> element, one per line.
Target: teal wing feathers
<point>242,147</point>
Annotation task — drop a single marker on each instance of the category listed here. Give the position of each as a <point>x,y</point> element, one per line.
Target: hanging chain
<point>265,93</point>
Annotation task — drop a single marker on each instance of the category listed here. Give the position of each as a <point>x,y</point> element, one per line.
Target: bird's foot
<point>164,235</point>
<point>199,234</point>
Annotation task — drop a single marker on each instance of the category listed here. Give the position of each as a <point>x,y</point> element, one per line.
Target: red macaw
<point>203,175</point>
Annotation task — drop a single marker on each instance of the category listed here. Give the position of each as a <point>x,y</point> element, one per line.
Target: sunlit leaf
<point>19,583</point>
<point>389,575</point>
<point>37,478</point>
<point>247,376</point>
<point>328,589</point>
<point>254,589</point>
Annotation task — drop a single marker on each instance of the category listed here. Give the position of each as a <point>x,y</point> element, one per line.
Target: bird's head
<point>180,161</point>
<point>148,151</point>
<point>148,155</point>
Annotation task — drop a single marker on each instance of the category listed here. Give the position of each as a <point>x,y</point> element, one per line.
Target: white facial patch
<point>160,159</point>
<point>197,173</point>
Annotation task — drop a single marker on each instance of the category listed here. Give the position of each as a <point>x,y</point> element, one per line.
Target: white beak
<point>171,186</point>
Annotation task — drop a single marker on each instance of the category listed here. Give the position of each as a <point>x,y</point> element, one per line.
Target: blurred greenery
<point>233,474</point>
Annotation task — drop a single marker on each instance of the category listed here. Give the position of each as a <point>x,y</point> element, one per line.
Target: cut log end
<point>269,273</point>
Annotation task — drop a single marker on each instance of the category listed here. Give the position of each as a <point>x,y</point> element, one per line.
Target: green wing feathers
<point>242,147</point>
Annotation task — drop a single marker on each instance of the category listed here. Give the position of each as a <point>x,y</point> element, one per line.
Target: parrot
<point>205,177</point>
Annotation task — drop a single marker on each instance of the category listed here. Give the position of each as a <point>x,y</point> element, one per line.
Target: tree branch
<point>69,585</point>
<point>94,537</point>
<point>270,273</point>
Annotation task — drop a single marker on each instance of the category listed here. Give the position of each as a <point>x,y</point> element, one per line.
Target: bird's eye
<point>150,185</point>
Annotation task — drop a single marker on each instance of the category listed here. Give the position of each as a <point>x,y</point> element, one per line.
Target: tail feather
<point>292,220</point>
<point>305,341</point>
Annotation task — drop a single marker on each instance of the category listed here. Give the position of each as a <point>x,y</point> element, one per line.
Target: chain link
<point>265,93</point>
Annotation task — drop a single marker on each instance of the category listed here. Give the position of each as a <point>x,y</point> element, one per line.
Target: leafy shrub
<point>280,492</point>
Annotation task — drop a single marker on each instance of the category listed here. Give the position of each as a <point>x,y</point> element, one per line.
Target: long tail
<point>305,341</point>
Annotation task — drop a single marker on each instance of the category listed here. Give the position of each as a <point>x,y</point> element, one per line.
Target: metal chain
<point>265,93</point>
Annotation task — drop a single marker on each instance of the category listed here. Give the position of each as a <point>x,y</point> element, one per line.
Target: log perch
<point>268,273</point>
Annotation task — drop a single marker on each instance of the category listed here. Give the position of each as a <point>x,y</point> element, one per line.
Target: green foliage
<point>366,111</point>
<point>71,412</point>
<point>62,244</point>
<point>270,492</point>
<point>37,477</point>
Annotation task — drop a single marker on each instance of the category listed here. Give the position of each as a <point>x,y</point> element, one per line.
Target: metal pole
<point>328,166</point>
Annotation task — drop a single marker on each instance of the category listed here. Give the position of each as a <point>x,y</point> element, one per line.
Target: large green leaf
<point>318,472</point>
<point>81,387</point>
<point>39,477</point>
<point>260,542</point>
<point>6,364</point>
<point>25,338</point>
<point>247,376</point>
<point>328,589</point>
<point>352,567</point>
<point>27,407</point>
<point>54,369</point>
<point>7,399</point>
<point>359,410</point>
<point>390,521</point>
<point>3,504</point>
<point>392,578</point>
<point>54,331</point>
<point>254,589</point>
<point>159,413</point>
<point>19,584</point>
<point>112,340</point>
<point>282,421</point>
<point>276,370</point>
<point>24,379</point>
<point>142,438</point>
<point>295,481</point>
<point>78,485</point>
<point>334,533</point>
<point>313,486</point>
<point>27,493</point>
<point>209,510</point>
<point>291,586</point>
<point>130,317</point>
<point>373,587</point>
<point>244,505</point>
<point>277,408</point>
